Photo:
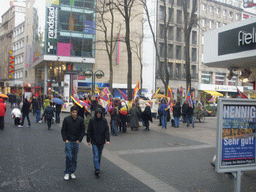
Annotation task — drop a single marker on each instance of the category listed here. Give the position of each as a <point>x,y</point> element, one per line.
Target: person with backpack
<point>163,111</point>
<point>49,114</point>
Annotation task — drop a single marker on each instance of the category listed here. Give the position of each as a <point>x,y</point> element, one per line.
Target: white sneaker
<point>73,176</point>
<point>20,126</point>
<point>66,177</point>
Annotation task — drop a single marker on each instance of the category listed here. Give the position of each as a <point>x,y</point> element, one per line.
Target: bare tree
<point>166,16</point>
<point>190,19</point>
<point>106,23</point>
<point>125,8</point>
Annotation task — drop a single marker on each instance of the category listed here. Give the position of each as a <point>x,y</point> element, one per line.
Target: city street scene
<point>128,95</point>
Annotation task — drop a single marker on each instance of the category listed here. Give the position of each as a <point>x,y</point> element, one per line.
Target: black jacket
<point>73,129</point>
<point>25,107</point>
<point>190,111</point>
<point>48,113</point>
<point>58,108</point>
<point>98,130</point>
<point>177,110</point>
<point>185,108</point>
<point>146,114</point>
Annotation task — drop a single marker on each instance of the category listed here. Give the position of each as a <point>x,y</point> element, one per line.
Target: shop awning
<point>214,93</point>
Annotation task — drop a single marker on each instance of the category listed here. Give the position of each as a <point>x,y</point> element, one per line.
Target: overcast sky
<point>5,5</point>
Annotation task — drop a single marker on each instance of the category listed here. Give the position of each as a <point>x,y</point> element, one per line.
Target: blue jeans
<point>114,127</point>
<point>177,121</point>
<point>164,121</point>
<point>97,152</point>
<point>190,119</point>
<point>71,150</point>
<point>38,112</point>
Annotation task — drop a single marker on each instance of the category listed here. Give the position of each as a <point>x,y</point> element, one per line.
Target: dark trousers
<point>2,122</point>
<point>23,119</point>
<point>57,116</point>
<point>16,121</point>
<point>49,123</point>
<point>146,122</point>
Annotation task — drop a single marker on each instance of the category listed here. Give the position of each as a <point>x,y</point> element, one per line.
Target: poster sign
<point>236,135</point>
<point>64,49</point>
<point>89,27</point>
<point>51,29</point>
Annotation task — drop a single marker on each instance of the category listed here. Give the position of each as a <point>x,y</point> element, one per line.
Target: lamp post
<point>89,73</point>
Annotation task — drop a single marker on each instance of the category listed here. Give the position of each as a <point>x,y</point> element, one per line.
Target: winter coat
<point>185,108</point>
<point>80,112</point>
<point>2,108</point>
<point>114,114</point>
<point>35,104</point>
<point>146,115</point>
<point>134,117</point>
<point>177,110</point>
<point>46,102</point>
<point>16,113</point>
<point>26,107</point>
<point>162,108</point>
<point>48,113</point>
<point>98,130</point>
<point>58,108</point>
<point>190,111</point>
<point>73,129</point>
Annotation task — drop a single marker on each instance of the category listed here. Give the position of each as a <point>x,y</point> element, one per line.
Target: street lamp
<point>89,73</point>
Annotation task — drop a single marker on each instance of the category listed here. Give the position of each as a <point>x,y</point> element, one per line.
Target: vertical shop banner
<point>66,90</point>
<point>51,30</point>
<point>236,138</point>
<point>11,60</point>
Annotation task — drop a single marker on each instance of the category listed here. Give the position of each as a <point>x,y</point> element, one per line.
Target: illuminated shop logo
<point>52,22</point>
<point>55,2</point>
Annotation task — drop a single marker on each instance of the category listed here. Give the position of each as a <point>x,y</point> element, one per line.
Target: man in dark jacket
<point>177,114</point>
<point>147,116</point>
<point>58,110</point>
<point>72,131</point>
<point>25,112</point>
<point>49,114</point>
<point>184,111</point>
<point>190,116</point>
<point>97,135</point>
<point>35,106</point>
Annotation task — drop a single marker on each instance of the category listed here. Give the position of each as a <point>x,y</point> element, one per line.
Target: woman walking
<point>147,116</point>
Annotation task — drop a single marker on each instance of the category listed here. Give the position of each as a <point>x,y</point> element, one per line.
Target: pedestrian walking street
<point>172,159</point>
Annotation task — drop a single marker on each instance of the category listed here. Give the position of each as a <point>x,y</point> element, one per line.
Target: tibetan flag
<point>136,89</point>
<point>156,92</point>
<point>104,95</point>
<point>106,91</point>
<point>123,95</point>
<point>97,91</point>
<point>181,90</point>
<point>169,93</point>
<point>189,99</point>
<point>241,94</point>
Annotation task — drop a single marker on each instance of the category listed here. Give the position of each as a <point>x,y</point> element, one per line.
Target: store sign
<point>56,2</point>
<point>52,17</point>
<point>89,27</point>
<point>237,40</point>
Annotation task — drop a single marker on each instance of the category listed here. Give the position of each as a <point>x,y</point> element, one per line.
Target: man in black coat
<point>58,110</point>
<point>185,111</point>
<point>49,114</point>
<point>177,114</point>
<point>25,112</point>
<point>190,116</point>
<point>98,135</point>
<point>72,131</point>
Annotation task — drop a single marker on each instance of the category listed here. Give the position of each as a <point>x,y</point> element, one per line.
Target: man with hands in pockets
<point>72,131</point>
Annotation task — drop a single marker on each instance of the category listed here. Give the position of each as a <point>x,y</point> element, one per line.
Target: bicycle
<point>199,115</point>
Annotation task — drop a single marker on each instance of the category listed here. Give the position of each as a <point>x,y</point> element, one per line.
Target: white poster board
<point>236,127</point>
<point>66,90</point>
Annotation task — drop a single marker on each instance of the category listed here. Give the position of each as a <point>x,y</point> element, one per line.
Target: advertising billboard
<point>236,135</point>
<point>51,30</point>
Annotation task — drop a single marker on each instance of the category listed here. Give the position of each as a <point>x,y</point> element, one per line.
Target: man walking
<point>72,131</point>
<point>49,114</point>
<point>2,113</point>
<point>97,135</point>
<point>25,112</point>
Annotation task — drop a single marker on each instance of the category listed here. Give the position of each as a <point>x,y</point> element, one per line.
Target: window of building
<point>211,24</point>
<point>206,77</point>
<point>194,54</point>
<point>179,3</point>
<point>218,10</point>
<point>161,13</point>
<point>224,24</point>
<point>171,14</point>
<point>179,34</point>
<point>193,72</point>
<point>204,7</point>
<point>202,39</point>
<point>170,69</point>
<point>161,32</point>
<point>231,14</point>
<point>161,45</point>
<point>237,16</point>
<point>224,12</point>
<point>211,9</point>
<point>178,70</point>
<point>27,39</point>
<point>203,22</point>
<point>194,37</point>
<point>178,52</point>
<point>170,51</point>
<point>179,16</point>
<point>188,3</point>
<point>233,81</point>
<point>21,74</point>
<point>170,33</point>
<point>219,78</point>
<point>217,24</point>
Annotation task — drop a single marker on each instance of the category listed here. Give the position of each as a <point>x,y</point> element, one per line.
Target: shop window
<point>171,14</point>
<point>206,77</point>
<point>219,78</point>
<point>233,81</point>
<point>76,46</point>
<point>87,49</point>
